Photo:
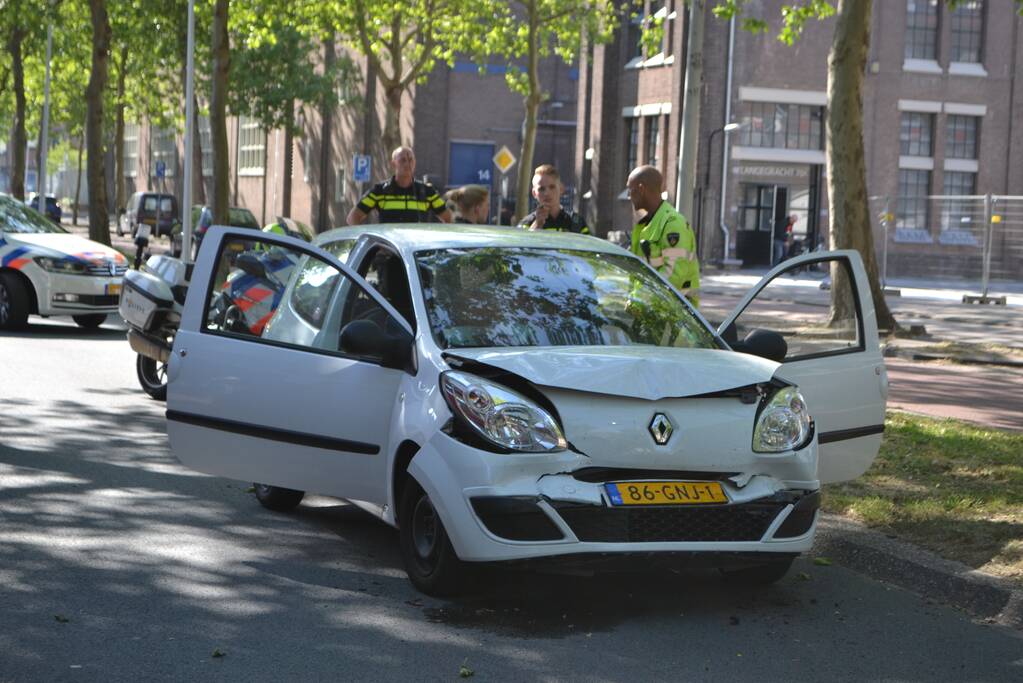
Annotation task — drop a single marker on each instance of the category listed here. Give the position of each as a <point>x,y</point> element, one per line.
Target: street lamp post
<point>727,128</point>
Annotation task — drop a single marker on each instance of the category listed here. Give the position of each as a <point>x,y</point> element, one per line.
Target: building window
<point>165,149</point>
<point>921,29</point>
<point>959,215</point>
<point>961,137</point>
<point>130,159</point>
<point>632,154</point>
<point>251,147</point>
<point>206,146</point>
<point>653,141</point>
<point>757,209</point>
<point>911,210</point>
<point>967,21</point>
<point>777,125</point>
<point>916,134</point>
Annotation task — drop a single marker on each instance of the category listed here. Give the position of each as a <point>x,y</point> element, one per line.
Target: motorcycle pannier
<point>142,297</point>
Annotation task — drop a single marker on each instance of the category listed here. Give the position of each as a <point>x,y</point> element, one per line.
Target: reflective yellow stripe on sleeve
<point>400,204</point>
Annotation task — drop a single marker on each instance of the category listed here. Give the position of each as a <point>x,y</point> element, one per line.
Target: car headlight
<point>783,424</point>
<point>501,416</point>
<point>59,265</point>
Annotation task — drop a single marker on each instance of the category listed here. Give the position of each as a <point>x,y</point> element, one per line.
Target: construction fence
<point>972,240</point>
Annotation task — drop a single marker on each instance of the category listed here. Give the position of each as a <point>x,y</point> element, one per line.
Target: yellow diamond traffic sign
<point>504,159</point>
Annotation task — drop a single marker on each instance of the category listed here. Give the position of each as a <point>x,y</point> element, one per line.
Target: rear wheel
<point>14,302</point>
<point>430,560</point>
<point>152,376</point>
<point>89,321</point>
<point>278,498</point>
<point>759,575</point>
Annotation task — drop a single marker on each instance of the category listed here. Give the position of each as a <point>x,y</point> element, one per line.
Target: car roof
<point>410,238</point>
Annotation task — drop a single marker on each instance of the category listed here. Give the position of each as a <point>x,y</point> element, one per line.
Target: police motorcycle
<point>152,299</point>
<point>252,290</point>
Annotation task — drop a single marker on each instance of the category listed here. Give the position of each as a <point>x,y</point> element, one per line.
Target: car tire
<point>277,498</point>
<point>152,376</point>
<point>14,302</point>
<point>429,558</point>
<point>759,575</point>
<point>89,321</point>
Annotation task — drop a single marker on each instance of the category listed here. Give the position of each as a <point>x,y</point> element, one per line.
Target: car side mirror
<point>763,343</point>
<point>366,338</point>
<point>250,265</point>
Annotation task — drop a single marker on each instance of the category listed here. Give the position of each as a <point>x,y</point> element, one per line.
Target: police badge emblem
<point>673,238</point>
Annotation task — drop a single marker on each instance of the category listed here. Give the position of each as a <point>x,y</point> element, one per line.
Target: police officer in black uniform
<point>402,199</point>
<point>549,215</point>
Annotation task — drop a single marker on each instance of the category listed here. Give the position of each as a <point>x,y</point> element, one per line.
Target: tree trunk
<point>849,215</point>
<point>326,128</point>
<point>198,179</point>
<point>392,116</point>
<point>78,182</point>
<point>532,103</point>
<point>218,112</point>
<point>289,160</point>
<point>120,198</point>
<point>99,215</point>
<point>20,141</point>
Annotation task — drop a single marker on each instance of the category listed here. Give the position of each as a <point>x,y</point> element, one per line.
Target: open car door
<point>286,368</point>
<point>821,305</point>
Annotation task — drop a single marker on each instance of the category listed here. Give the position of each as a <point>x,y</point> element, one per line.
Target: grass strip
<point>946,485</point>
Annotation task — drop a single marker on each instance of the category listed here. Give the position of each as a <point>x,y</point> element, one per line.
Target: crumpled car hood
<point>646,372</point>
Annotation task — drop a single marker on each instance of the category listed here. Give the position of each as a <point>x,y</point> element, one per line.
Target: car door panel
<point>845,385</point>
<point>282,414</point>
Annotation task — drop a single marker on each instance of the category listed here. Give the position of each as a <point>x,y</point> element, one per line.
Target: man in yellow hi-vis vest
<point>662,237</point>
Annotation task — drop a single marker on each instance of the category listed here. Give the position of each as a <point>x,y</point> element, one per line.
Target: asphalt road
<point>117,564</point>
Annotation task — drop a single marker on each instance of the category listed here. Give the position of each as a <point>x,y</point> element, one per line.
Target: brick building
<point>943,115</point>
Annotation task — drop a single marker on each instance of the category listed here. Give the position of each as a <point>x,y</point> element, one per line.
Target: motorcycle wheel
<point>152,376</point>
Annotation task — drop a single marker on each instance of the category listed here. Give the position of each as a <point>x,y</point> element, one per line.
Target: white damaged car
<point>44,269</point>
<point>505,395</point>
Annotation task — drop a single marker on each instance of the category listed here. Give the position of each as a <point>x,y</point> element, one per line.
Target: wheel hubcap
<point>424,528</point>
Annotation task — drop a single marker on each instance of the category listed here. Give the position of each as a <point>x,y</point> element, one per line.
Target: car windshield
<point>17,217</point>
<point>500,296</point>
<point>166,204</point>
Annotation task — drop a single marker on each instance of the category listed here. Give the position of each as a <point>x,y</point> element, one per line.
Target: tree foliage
<point>524,32</point>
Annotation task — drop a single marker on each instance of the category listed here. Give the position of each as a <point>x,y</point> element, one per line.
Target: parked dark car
<point>202,219</point>
<point>142,208</point>
<point>53,209</point>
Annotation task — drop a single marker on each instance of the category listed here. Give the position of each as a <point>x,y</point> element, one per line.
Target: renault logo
<point>661,428</point>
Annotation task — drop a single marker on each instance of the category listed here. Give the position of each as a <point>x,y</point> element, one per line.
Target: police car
<point>503,395</point>
<point>46,270</point>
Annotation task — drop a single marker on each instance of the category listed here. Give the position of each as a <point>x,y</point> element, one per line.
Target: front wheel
<point>278,498</point>
<point>430,560</point>
<point>89,321</point>
<point>152,376</point>
<point>14,302</point>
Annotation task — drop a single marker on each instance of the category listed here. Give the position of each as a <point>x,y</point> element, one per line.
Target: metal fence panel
<point>957,240</point>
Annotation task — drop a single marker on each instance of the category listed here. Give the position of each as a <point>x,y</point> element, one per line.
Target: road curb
<point>911,355</point>
<point>897,562</point>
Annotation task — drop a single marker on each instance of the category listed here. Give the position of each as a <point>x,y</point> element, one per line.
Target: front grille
<point>104,300</point>
<point>742,522</point>
<point>104,269</point>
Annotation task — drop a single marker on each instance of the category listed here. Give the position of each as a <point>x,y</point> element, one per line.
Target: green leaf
<point>822,561</point>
